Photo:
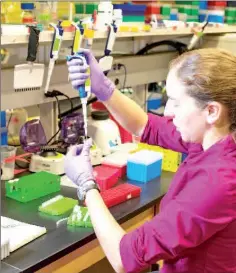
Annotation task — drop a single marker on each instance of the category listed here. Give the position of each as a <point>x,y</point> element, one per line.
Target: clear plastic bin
<point>8,154</point>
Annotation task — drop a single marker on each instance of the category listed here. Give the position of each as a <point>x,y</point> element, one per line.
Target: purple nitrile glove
<point>77,164</point>
<point>101,86</point>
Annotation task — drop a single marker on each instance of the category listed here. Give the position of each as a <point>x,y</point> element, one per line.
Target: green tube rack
<point>58,205</point>
<point>80,217</point>
<point>32,186</point>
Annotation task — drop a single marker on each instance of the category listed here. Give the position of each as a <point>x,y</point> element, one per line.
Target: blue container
<point>202,17</point>
<point>154,104</point>
<point>130,7</point>
<point>203,4</point>
<point>27,6</point>
<point>3,119</point>
<point>132,13</point>
<point>141,172</point>
<point>174,17</point>
<point>215,18</point>
<point>4,137</point>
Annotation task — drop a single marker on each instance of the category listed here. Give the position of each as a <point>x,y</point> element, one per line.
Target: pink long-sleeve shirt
<point>195,231</point>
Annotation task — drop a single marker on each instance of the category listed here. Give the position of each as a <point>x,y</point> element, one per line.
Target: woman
<point>195,230</point>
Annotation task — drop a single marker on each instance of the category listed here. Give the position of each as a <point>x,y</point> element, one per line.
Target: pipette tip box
<point>106,177</point>
<point>58,205</point>
<point>32,186</point>
<point>80,217</point>
<point>120,194</point>
<point>144,166</point>
<point>117,160</point>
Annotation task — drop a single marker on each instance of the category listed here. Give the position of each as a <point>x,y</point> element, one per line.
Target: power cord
<point>55,94</point>
<point>119,65</point>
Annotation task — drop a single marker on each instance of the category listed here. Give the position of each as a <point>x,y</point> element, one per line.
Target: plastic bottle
<point>3,13</point>
<point>15,120</point>
<point>12,12</point>
<point>28,16</point>
<point>44,17</point>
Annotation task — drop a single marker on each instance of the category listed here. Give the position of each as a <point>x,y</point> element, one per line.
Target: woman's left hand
<point>78,165</point>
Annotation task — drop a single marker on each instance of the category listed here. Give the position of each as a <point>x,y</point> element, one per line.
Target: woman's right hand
<point>101,86</point>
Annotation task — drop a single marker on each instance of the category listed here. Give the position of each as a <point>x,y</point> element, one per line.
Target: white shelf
<point>46,36</point>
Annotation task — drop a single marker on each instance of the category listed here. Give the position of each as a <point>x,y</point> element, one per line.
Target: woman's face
<point>190,120</point>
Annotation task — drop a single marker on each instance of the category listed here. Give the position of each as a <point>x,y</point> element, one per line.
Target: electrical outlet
<point>115,67</point>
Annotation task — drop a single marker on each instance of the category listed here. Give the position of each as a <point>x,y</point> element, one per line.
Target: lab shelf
<point>46,36</point>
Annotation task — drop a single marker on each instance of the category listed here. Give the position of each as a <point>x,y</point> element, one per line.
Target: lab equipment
<point>29,77</point>
<point>83,93</point>
<point>106,61</point>
<point>95,155</point>
<point>105,177</point>
<point>3,129</point>
<point>54,53</point>
<point>4,136</point>
<point>80,217</point>
<point>144,166</point>
<point>5,244</point>
<point>7,162</point>
<point>50,161</point>
<point>19,233</point>
<point>154,101</point>
<point>28,16</point>
<point>103,131</point>
<point>197,35</point>
<point>72,128</point>
<point>171,159</point>
<point>16,118</point>
<point>58,205</point>
<point>117,160</point>
<point>120,194</point>
<point>78,38</point>
<point>32,186</point>
<point>44,14</point>
<point>101,86</point>
<point>44,158</point>
<point>4,56</point>
<point>125,147</point>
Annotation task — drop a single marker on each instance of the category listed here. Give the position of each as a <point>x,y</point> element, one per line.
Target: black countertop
<point>59,241</point>
<point>8,269</point>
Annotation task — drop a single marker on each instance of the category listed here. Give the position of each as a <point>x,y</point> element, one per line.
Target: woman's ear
<point>214,111</point>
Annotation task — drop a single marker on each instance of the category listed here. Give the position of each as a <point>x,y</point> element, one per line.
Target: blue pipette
<point>82,89</point>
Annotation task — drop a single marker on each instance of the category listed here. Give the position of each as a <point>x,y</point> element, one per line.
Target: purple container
<point>72,128</point>
<point>32,136</point>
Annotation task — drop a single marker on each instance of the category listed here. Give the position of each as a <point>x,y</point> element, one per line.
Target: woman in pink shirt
<point>195,231</point>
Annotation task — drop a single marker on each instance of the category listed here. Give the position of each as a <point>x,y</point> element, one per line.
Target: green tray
<point>58,205</point>
<point>80,217</point>
<point>32,186</point>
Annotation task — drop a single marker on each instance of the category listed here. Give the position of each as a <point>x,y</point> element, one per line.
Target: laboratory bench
<point>73,249</point>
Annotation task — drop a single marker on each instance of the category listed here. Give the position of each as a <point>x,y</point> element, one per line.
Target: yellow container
<point>13,12</point>
<point>171,159</point>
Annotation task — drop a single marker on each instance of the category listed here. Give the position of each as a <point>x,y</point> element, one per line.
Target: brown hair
<point>209,75</point>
